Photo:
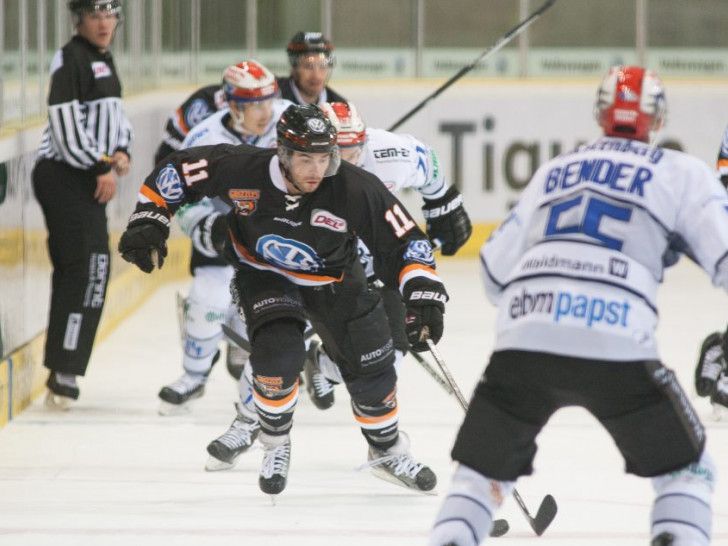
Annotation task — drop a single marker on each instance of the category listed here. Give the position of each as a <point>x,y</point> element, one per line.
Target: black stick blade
<point>545,515</point>
<point>500,528</point>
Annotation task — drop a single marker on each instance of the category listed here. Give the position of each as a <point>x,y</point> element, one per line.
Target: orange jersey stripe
<point>277,403</point>
<point>365,420</point>
<point>723,163</point>
<point>413,267</point>
<point>181,122</point>
<point>303,276</point>
<point>153,197</point>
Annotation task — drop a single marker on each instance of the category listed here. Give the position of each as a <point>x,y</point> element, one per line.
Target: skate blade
<point>214,464</point>
<point>166,409</point>
<point>56,402</point>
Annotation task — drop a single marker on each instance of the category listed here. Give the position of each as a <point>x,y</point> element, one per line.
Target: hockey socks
<point>466,516</point>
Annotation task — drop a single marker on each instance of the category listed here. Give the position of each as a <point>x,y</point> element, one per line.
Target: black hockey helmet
<point>305,128</point>
<point>78,6</point>
<point>304,43</point>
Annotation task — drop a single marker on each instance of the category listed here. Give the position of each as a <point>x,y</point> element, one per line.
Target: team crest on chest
<point>244,201</point>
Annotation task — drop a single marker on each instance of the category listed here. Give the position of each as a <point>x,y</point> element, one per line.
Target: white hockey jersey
<point>402,161</point>
<point>574,269</point>
<point>214,130</point>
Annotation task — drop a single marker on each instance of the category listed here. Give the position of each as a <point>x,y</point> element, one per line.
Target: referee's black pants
<point>78,244</point>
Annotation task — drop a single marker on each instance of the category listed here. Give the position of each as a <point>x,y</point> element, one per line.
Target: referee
<point>84,147</point>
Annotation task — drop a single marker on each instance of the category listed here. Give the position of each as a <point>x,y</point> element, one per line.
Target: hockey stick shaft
<point>429,369</point>
<point>547,509</point>
<point>507,37</point>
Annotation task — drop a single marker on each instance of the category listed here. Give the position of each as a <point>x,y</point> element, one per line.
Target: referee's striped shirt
<point>86,122</point>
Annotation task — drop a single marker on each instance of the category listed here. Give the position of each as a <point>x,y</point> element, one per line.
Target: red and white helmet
<point>630,103</point>
<point>350,127</point>
<point>248,81</point>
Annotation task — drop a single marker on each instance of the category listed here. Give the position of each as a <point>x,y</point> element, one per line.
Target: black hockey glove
<point>711,363</point>
<point>447,222</point>
<point>425,303</point>
<point>210,234</point>
<point>144,243</point>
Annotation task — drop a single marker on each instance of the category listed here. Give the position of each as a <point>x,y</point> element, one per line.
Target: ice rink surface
<point>113,472</point>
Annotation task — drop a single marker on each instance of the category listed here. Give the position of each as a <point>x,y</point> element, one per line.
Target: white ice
<point>113,472</point>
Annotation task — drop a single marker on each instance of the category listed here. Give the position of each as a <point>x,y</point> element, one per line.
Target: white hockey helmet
<point>350,128</point>
<point>631,103</point>
<point>245,82</point>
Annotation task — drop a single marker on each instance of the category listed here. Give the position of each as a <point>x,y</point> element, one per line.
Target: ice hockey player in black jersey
<point>297,213</point>
<point>196,108</point>
<point>312,60</point>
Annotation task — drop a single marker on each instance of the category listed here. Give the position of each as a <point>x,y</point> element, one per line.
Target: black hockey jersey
<point>309,238</point>
<point>199,106</point>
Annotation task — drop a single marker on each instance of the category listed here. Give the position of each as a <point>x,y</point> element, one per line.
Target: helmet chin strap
<point>289,178</point>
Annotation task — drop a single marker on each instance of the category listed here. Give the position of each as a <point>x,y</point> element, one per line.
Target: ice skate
<point>710,365</point>
<point>396,465</point>
<point>320,389</point>
<point>276,460</point>
<point>235,360</point>
<point>62,391</point>
<point>176,398</point>
<point>719,399</point>
<point>225,450</point>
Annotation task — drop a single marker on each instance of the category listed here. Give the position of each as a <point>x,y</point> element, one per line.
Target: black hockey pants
<point>78,245</point>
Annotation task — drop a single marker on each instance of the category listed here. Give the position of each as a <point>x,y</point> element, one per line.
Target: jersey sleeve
<point>400,249</point>
<point>702,220</point>
<point>428,177</point>
<point>501,252</point>
<point>186,176</point>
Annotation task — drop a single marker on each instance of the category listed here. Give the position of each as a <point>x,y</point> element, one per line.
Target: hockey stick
<point>429,369</point>
<point>507,37</point>
<point>548,508</point>
<point>244,344</point>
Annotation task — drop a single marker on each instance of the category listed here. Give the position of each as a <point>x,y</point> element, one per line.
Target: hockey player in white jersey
<point>400,161</point>
<point>251,92</point>
<point>711,373</point>
<point>574,271</point>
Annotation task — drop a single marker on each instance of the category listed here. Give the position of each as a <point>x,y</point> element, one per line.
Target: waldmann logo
<point>618,268</point>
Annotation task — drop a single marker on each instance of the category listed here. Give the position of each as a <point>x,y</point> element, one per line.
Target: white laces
<point>400,464</point>
<point>239,434</point>
<point>187,383</point>
<point>276,460</point>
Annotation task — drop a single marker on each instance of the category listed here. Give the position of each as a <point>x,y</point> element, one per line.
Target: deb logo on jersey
<point>169,184</point>
<point>244,201</point>
<point>288,254</point>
